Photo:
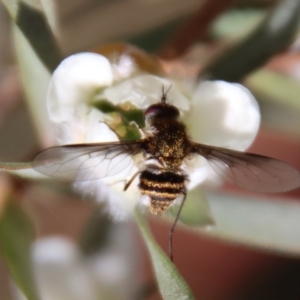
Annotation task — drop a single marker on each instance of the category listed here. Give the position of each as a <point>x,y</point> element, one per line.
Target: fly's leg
<point>128,183</point>
<point>136,126</point>
<point>173,228</point>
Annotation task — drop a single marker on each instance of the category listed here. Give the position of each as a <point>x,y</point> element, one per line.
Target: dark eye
<point>162,111</point>
<point>153,110</point>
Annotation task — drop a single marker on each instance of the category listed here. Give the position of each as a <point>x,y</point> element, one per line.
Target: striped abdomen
<point>162,189</point>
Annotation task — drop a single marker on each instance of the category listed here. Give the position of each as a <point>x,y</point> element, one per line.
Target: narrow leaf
<point>171,284</point>
<point>35,78</point>
<point>270,224</point>
<point>237,22</point>
<point>16,234</point>
<point>195,211</point>
<point>31,20</point>
<point>280,88</point>
<point>21,169</point>
<point>11,166</point>
<point>278,97</point>
<point>272,36</point>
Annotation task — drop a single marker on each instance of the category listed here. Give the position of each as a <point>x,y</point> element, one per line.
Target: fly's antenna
<point>164,94</point>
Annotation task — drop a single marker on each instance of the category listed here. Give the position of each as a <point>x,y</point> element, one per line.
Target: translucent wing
<point>250,171</point>
<point>82,162</point>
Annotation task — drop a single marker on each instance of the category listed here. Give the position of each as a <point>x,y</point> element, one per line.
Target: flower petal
<point>85,129</point>
<point>198,171</point>
<point>75,82</point>
<point>223,114</point>
<point>144,90</point>
<point>119,203</point>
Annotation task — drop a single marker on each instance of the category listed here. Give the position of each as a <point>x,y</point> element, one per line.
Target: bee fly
<point>165,147</point>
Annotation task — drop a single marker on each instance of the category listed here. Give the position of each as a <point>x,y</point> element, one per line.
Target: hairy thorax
<point>169,143</point>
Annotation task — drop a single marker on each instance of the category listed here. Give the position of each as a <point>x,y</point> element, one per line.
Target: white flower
<point>62,272</point>
<point>216,113</point>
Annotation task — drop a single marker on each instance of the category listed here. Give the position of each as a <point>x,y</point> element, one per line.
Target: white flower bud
<point>223,114</point>
<point>75,81</point>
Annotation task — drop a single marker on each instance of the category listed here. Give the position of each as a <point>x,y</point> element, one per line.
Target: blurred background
<point>212,39</point>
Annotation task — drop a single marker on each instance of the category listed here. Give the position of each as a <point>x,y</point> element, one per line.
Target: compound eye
<point>159,111</point>
<point>153,110</point>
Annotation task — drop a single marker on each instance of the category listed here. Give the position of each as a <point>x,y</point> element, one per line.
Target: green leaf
<point>280,88</point>
<point>278,96</point>
<point>12,166</point>
<point>171,284</point>
<point>35,78</point>
<point>21,169</point>
<point>272,36</point>
<point>31,21</point>
<point>16,234</point>
<point>37,54</point>
<point>195,211</point>
<point>271,224</point>
<point>236,23</point>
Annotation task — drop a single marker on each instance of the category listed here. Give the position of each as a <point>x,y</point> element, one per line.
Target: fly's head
<point>160,111</point>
